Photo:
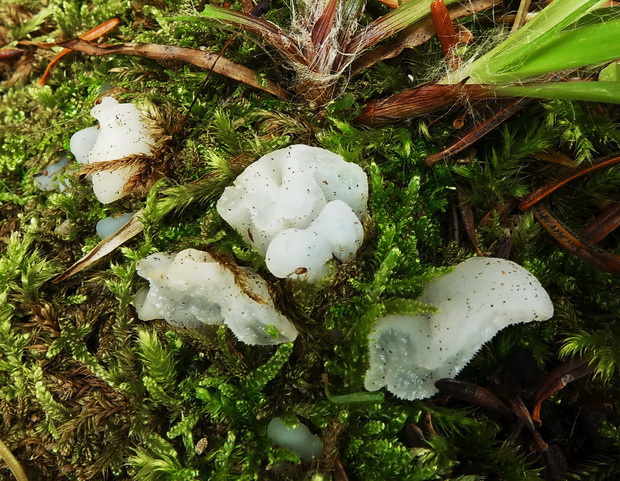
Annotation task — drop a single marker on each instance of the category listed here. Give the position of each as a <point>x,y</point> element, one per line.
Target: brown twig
<point>166,53</point>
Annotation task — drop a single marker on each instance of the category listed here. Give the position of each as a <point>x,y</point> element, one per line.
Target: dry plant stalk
<point>92,34</point>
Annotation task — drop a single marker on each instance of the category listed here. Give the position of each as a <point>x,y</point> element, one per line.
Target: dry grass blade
<point>92,34</point>
<point>591,254</point>
<point>417,34</point>
<point>480,130</point>
<point>391,23</point>
<point>467,217</point>
<point>323,27</point>
<point>106,246</point>
<point>554,185</point>
<point>521,16</point>
<point>607,222</point>
<point>168,53</point>
<point>265,29</point>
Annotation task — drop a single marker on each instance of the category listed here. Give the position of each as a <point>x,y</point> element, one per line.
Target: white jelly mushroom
<point>110,225</point>
<point>297,438</point>
<point>288,190</point>
<point>82,142</point>
<point>122,132</point>
<point>480,297</point>
<point>189,289</point>
<point>304,253</point>
<point>46,180</point>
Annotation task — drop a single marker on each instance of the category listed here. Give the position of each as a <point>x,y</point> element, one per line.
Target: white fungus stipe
<point>296,197</point>
<point>189,289</point>
<point>480,297</point>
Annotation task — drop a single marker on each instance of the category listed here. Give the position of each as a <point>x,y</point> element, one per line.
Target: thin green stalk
<point>588,91</point>
<point>12,462</point>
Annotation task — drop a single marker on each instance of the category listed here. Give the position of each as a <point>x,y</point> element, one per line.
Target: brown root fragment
<point>167,53</point>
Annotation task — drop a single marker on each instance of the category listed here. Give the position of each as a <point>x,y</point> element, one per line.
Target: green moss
<point>98,393</point>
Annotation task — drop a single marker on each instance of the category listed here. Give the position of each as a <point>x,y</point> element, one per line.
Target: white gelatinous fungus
<point>189,289</point>
<point>122,132</point>
<point>480,297</point>
<point>305,201</point>
<point>111,225</point>
<point>46,180</point>
<point>297,438</point>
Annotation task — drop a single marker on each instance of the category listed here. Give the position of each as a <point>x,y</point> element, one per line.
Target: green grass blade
<point>593,44</point>
<point>525,42</point>
<point>587,91</point>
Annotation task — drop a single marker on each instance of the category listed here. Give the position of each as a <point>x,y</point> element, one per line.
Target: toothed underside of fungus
<point>189,289</point>
<point>480,297</point>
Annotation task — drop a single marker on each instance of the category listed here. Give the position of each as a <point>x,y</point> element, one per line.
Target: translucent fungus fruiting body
<point>122,133</point>
<point>297,438</point>
<point>190,289</point>
<point>480,297</point>
<point>306,202</point>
